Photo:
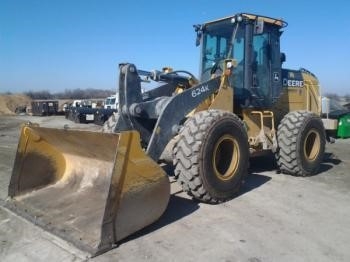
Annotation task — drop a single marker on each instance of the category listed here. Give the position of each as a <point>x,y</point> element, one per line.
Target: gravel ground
<point>275,218</point>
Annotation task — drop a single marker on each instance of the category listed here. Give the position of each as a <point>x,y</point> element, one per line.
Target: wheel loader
<point>96,188</point>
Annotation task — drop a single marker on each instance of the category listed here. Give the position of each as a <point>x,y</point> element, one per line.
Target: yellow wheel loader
<point>94,189</point>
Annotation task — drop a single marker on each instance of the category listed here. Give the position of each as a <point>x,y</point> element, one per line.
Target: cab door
<point>266,66</point>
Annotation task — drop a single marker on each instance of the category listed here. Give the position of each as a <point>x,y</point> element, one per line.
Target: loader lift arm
<point>166,111</point>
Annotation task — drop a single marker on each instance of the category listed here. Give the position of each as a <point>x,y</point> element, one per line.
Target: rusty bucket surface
<point>91,189</point>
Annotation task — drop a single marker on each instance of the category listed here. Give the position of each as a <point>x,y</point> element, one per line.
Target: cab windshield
<point>110,101</point>
<point>222,40</point>
<point>252,80</point>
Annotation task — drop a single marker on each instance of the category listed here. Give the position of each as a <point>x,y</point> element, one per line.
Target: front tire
<point>301,143</point>
<point>211,156</point>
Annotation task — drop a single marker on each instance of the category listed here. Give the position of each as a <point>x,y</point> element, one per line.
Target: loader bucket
<point>91,189</point>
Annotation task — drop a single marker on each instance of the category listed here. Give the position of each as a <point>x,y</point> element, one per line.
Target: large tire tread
<point>288,135</point>
<point>186,153</point>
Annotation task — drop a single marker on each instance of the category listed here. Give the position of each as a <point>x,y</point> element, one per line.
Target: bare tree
<point>78,93</point>
<point>332,96</point>
<point>347,97</point>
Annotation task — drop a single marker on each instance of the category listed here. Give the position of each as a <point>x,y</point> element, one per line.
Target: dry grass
<point>8,103</point>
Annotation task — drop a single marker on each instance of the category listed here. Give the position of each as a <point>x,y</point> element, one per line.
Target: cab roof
<point>254,17</point>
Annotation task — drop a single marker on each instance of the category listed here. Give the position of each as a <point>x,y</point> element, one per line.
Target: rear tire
<point>301,143</point>
<point>211,156</point>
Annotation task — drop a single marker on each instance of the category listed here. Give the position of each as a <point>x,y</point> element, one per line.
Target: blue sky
<point>58,45</point>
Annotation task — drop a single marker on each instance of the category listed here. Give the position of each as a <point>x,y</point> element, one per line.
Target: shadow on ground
<point>252,182</point>
<point>266,162</point>
<point>329,161</point>
<point>258,165</point>
<point>178,208</point>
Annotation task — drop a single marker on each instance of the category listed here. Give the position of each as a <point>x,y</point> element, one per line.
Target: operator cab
<point>253,41</point>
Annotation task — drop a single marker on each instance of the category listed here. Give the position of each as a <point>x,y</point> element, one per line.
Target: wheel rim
<point>312,145</point>
<point>225,157</point>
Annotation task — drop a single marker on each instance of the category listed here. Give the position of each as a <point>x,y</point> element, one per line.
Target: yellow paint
<point>70,153</point>
<point>224,98</point>
<point>305,98</point>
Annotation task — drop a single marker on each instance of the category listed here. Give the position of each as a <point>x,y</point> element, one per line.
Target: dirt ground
<point>275,218</point>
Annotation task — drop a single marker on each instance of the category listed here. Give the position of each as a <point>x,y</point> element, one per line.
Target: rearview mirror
<point>199,30</point>
<point>283,58</point>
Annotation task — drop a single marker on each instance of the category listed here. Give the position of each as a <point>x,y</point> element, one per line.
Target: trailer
<point>45,107</point>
